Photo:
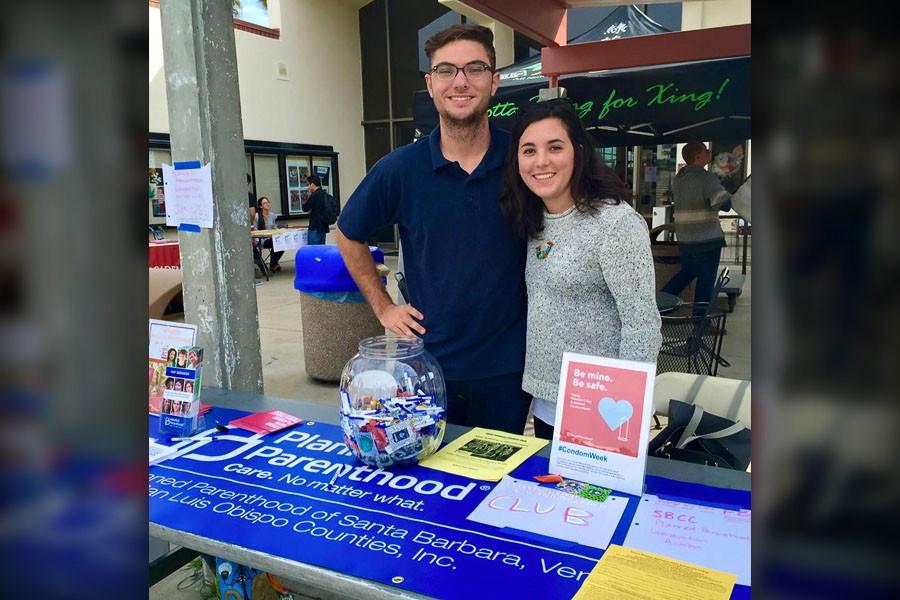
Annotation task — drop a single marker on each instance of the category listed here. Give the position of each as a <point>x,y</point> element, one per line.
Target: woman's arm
<point>627,264</point>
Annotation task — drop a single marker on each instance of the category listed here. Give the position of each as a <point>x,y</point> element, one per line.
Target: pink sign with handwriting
<point>525,505</point>
<point>715,538</point>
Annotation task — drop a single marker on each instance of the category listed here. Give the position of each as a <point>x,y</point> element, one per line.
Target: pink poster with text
<point>603,408</point>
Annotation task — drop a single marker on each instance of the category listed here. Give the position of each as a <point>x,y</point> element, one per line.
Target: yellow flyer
<point>484,454</point>
<point>637,575</point>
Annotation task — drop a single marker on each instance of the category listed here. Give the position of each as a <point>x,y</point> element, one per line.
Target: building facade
<point>326,87</point>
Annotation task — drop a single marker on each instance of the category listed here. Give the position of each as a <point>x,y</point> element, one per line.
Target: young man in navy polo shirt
<point>464,270</point>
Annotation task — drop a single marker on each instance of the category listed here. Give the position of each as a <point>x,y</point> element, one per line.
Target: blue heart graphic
<point>615,413</point>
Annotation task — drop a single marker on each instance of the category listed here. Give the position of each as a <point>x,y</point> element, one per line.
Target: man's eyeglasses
<point>473,70</point>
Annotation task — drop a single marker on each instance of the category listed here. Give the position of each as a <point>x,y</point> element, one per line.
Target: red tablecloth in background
<point>164,253</point>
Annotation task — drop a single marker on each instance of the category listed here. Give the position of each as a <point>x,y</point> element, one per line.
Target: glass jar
<point>393,402</point>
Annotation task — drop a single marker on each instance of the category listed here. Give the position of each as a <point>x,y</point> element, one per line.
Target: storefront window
<point>373,42</point>
<point>277,170</point>
<point>157,196</point>
<point>298,169</point>
<point>407,20</point>
<point>608,155</point>
<point>665,171</point>
<point>268,182</point>
<point>321,166</point>
<point>657,169</point>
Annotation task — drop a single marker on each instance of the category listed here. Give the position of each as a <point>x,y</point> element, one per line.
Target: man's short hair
<point>475,33</point>
<point>691,150</point>
<point>314,179</point>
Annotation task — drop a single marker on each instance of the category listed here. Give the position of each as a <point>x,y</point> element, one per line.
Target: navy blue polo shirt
<point>464,269</point>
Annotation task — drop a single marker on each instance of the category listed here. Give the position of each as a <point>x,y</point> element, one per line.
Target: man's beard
<point>475,118</point>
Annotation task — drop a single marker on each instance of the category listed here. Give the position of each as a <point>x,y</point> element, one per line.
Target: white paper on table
<point>714,538</point>
<point>278,244</point>
<point>159,453</point>
<point>189,197</point>
<point>300,238</point>
<point>527,506</point>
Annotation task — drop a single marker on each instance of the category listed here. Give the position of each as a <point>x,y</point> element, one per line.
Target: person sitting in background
<point>265,219</point>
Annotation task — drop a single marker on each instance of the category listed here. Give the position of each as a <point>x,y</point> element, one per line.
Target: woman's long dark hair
<point>260,220</point>
<point>593,183</point>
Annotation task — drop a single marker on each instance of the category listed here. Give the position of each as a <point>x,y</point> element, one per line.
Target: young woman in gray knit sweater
<point>589,271</point>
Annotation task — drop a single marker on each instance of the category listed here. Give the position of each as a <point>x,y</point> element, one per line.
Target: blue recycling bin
<point>334,315</point>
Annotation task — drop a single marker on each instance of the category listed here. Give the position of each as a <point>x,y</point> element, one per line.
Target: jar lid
<point>388,346</point>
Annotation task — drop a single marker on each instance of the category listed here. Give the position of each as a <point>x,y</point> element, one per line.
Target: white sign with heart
<point>602,425</point>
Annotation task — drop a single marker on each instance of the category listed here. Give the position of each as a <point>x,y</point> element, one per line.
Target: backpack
<point>332,209</point>
<point>693,435</point>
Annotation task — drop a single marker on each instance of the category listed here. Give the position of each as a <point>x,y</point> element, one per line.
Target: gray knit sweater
<point>593,293</point>
<point>699,196</point>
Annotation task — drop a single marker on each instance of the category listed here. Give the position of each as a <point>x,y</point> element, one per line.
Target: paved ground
<point>281,339</point>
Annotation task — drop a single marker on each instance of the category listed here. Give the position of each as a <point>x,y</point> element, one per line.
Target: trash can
<point>334,314</point>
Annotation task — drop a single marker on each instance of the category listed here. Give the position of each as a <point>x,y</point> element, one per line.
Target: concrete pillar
<point>205,125</point>
<point>504,44</point>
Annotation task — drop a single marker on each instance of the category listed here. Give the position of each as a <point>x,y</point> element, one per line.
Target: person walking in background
<point>698,198</point>
<point>265,219</point>
<point>464,269</point>
<point>589,270</point>
<point>315,204</point>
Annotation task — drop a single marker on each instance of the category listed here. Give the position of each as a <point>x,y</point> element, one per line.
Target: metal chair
<point>692,340</point>
<point>721,282</point>
<point>729,398</point>
<point>667,258</point>
<point>258,259</point>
